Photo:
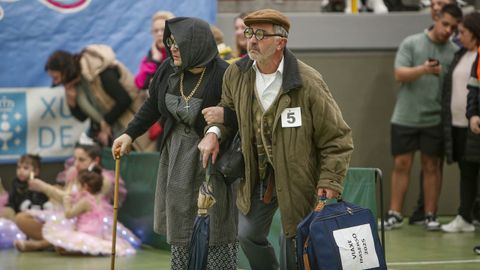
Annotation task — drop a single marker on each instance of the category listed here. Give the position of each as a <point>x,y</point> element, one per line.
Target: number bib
<point>292,117</point>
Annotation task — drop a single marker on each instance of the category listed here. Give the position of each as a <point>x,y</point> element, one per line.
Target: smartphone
<point>434,62</point>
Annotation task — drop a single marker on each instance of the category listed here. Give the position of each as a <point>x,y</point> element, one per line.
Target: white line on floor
<point>433,262</point>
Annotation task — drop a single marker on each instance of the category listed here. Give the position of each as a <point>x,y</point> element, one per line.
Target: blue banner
<point>30,30</point>
<point>38,121</point>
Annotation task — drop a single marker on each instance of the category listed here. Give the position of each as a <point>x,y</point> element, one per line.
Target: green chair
<point>360,187</point>
<point>139,171</point>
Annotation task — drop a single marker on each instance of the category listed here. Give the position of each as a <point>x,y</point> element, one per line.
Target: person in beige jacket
<point>295,142</point>
<point>100,88</point>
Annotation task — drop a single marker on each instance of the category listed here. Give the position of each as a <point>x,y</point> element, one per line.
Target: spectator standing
<point>456,123</point>
<point>240,40</point>
<point>150,63</point>
<point>157,52</point>
<point>418,214</point>
<point>224,51</point>
<point>420,65</point>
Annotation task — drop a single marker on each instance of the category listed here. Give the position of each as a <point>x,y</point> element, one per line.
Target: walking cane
<point>115,208</point>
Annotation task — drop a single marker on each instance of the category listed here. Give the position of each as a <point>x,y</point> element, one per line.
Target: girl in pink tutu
<point>84,156</point>
<point>84,231</point>
<point>31,222</point>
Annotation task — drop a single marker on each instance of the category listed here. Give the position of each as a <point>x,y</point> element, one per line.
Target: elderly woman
<point>183,85</point>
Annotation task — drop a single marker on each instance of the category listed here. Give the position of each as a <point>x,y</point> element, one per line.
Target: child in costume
<point>84,231</point>
<point>31,222</point>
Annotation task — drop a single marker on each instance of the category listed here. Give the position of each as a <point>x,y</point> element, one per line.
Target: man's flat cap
<point>267,16</point>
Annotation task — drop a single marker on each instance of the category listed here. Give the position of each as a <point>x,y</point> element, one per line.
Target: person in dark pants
<point>455,122</point>
<point>295,142</point>
<point>418,215</point>
<point>420,65</point>
<point>188,81</point>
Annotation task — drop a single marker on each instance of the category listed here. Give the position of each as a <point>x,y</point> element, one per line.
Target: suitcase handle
<point>306,259</point>
<point>322,200</point>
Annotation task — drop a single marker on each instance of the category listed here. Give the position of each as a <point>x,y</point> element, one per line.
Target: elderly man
<point>295,142</point>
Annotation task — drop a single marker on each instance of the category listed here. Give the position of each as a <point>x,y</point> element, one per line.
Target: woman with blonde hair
<point>150,63</point>
<point>157,52</point>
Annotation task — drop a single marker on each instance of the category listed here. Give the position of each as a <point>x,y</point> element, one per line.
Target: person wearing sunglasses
<point>185,83</point>
<point>295,143</point>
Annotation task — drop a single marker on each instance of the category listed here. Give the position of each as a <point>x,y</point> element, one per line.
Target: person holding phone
<point>416,120</point>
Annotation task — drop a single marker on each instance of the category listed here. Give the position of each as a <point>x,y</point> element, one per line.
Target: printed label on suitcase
<point>356,247</point>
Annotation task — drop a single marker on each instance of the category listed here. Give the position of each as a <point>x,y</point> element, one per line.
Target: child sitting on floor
<point>20,199</point>
<point>84,233</point>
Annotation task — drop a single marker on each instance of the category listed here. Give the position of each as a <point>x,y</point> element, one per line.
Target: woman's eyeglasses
<point>259,34</point>
<point>171,42</point>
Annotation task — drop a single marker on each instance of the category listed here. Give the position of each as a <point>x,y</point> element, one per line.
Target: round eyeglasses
<point>259,34</point>
<point>170,42</point>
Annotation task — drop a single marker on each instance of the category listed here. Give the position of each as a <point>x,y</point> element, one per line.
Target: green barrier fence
<point>139,170</point>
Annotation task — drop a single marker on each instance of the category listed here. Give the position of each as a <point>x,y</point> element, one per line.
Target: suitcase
<point>339,236</point>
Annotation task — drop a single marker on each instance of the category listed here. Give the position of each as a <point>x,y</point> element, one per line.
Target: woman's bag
<point>230,163</point>
<point>339,236</point>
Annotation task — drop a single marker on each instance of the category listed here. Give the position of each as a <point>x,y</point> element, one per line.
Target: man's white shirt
<point>267,87</point>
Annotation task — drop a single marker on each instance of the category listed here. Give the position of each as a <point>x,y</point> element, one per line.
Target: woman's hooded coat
<point>198,49</point>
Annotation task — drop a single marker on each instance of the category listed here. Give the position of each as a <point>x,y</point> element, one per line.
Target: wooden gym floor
<point>410,247</point>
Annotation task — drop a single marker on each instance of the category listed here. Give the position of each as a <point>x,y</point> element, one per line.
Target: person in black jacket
<point>187,82</point>
<point>20,198</point>
<point>456,124</point>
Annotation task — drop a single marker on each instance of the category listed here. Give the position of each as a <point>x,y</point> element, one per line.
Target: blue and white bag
<point>339,236</point>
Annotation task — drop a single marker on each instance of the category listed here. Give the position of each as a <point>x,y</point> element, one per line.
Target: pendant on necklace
<point>186,106</point>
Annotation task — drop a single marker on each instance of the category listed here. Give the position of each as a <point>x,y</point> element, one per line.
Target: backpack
<point>339,236</point>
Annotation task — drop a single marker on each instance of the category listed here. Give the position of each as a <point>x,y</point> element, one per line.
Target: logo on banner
<point>12,120</point>
<point>2,13</point>
<point>66,6</point>
<point>63,6</point>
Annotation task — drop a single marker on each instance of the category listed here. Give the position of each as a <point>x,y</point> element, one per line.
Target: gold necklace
<point>187,98</point>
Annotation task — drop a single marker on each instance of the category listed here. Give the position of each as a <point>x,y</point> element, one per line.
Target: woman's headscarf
<point>195,40</point>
